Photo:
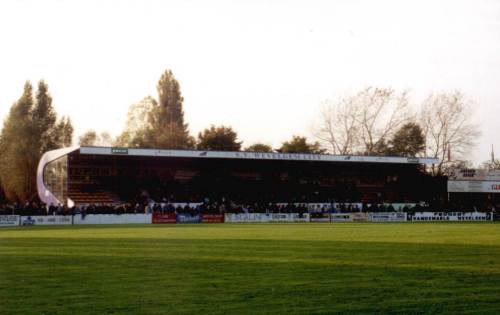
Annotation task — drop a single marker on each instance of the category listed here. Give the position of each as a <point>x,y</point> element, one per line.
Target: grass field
<point>247,269</point>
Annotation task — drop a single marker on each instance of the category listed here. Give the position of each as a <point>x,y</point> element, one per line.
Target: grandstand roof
<point>254,155</point>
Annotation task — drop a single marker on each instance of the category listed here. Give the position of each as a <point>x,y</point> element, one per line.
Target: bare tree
<point>361,123</point>
<point>446,119</point>
<point>338,129</point>
<point>383,111</point>
<point>491,165</point>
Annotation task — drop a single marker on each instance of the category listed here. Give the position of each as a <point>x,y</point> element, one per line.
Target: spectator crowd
<point>220,207</point>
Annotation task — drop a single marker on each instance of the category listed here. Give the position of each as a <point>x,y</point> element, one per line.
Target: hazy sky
<point>262,67</point>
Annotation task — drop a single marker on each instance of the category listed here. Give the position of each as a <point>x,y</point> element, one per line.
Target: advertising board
<point>451,216</point>
<point>319,217</point>
<point>47,220</point>
<point>164,218</point>
<point>359,216</point>
<point>261,217</point>
<point>387,216</point>
<point>9,220</point>
<point>266,217</point>
<point>129,218</point>
<point>188,218</point>
<point>237,217</point>
<point>289,217</point>
<point>280,217</point>
<point>340,217</point>
<point>212,218</point>
<point>298,217</point>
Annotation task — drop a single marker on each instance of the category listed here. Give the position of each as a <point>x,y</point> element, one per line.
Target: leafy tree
<point>380,148</point>
<point>17,175</point>
<point>91,138</point>
<point>172,137</point>
<point>48,133</point>
<point>218,139</point>
<point>409,140</point>
<point>158,124</point>
<point>300,145</point>
<point>169,110</point>
<point>30,129</point>
<point>138,124</point>
<point>166,120</point>
<point>64,132</point>
<point>259,147</point>
<point>44,120</point>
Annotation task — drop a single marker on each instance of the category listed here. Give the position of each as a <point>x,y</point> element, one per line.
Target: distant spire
<point>492,154</point>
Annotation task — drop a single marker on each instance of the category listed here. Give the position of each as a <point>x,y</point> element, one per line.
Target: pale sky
<point>263,67</point>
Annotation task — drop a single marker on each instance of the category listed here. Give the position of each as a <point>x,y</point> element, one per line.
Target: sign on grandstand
<point>413,160</point>
<point>474,186</point>
<point>474,175</point>
<point>119,150</point>
<point>255,155</point>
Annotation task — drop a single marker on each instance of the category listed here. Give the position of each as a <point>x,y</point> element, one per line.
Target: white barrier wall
<point>9,220</point>
<point>139,218</point>
<point>15,220</point>
<point>46,220</point>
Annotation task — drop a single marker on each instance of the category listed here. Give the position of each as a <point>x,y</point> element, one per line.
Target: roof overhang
<point>255,155</point>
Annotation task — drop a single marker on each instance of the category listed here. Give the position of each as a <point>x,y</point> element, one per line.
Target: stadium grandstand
<point>107,175</point>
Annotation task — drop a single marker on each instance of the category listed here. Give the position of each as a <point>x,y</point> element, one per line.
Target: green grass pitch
<point>365,268</point>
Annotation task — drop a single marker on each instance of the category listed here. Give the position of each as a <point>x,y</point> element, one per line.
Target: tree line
<point>30,129</point>
<point>380,121</point>
<point>373,121</point>
<point>158,122</point>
